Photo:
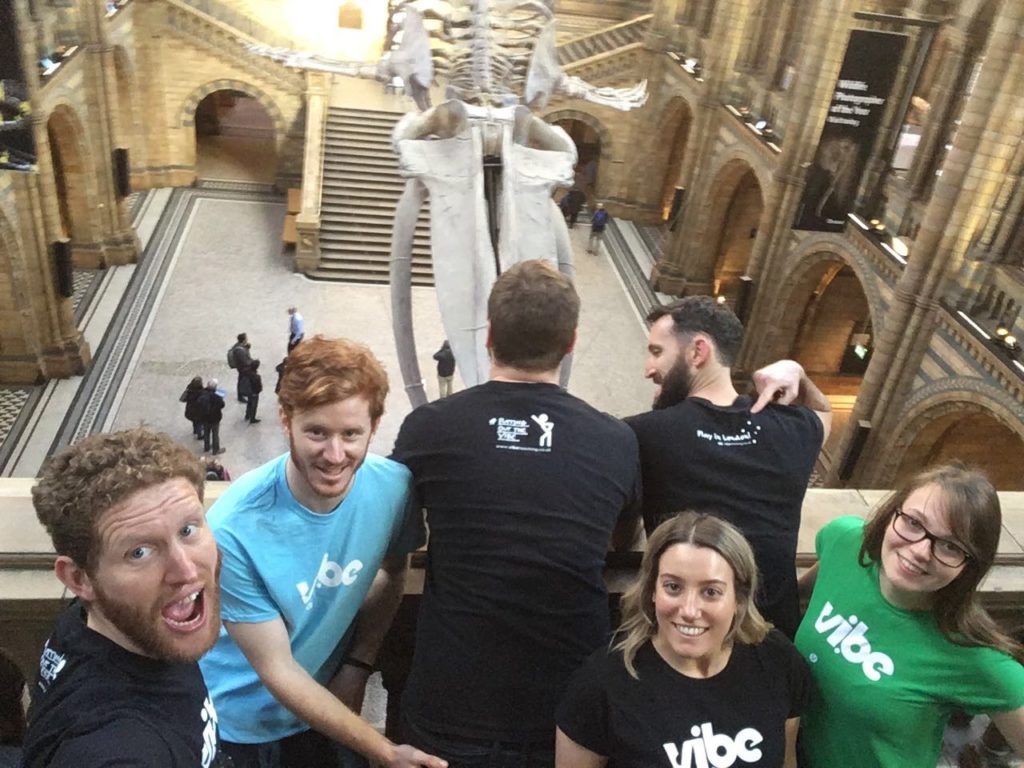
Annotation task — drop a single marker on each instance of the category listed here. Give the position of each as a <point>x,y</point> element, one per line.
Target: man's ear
<point>488,344</point>
<point>703,350</point>
<point>286,422</point>
<point>74,577</point>
<point>572,343</point>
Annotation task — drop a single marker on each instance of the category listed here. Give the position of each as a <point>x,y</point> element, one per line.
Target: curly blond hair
<point>83,481</point>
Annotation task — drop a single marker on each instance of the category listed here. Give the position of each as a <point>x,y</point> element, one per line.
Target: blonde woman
<point>698,677</point>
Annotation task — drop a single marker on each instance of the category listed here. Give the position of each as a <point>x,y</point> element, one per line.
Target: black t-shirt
<point>751,470</point>
<point>96,704</point>
<point>523,484</point>
<point>663,718</point>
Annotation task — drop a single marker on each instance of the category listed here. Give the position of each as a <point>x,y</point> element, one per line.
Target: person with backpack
<point>445,369</point>
<point>250,384</point>
<point>211,403</point>
<point>240,359</point>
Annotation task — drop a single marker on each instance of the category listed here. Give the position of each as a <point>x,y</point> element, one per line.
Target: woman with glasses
<point>895,635</point>
<point>697,678</point>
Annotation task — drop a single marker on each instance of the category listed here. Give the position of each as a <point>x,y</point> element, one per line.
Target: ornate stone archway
<point>187,113</point>
<point>941,404</point>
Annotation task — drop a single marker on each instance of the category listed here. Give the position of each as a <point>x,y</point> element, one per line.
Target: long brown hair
<point>975,519</point>
<point>639,622</point>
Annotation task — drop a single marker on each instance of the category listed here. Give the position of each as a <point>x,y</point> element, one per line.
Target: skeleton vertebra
<point>487,50</point>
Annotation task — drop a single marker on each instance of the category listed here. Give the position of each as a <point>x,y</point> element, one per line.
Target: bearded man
<point>118,682</point>
<point>707,448</point>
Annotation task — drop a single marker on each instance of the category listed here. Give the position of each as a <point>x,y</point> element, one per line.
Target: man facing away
<point>523,485</point>
<point>118,681</point>
<point>314,546</point>
<point>240,358</point>
<point>445,369</point>
<point>705,447</point>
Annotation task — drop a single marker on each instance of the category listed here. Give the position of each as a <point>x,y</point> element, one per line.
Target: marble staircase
<point>603,41</point>
<point>360,191</point>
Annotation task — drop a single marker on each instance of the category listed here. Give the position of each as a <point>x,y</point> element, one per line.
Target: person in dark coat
<point>211,404</point>
<point>190,397</point>
<point>241,356</point>
<point>574,203</point>
<point>250,384</point>
<point>445,369</point>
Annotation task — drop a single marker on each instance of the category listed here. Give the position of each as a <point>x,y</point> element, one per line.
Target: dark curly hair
<point>702,314</point>
<point>83,481</point>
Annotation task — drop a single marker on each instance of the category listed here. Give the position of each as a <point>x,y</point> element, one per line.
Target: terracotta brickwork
<point>932,388</point>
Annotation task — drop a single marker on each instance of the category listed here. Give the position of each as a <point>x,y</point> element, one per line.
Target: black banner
<point>17,150</point>
<point>858,103</point>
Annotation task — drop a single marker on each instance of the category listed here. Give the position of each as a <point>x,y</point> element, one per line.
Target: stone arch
<point>604,136</point>
<point>672,139</point>
<point>732,176</point>
<point>187,113</point>
<point>69,156</point>
<point>797,276</point>
<point>937,409</point>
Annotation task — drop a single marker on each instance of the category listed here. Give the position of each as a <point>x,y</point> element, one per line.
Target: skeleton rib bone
<point>488,51</point>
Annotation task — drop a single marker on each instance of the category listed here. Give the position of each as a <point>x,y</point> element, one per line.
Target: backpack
<point>231,357</point>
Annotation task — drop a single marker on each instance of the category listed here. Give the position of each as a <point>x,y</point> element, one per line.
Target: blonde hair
<point>639,623</point>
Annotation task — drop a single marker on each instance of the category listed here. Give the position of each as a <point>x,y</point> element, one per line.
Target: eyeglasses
<point>947,552</point>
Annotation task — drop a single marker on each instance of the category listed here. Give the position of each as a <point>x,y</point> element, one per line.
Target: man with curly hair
<point>125,513</point>
<point>314,546</point>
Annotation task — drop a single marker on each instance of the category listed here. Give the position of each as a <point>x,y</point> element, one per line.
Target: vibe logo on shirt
<point>330,575</point>
<point>714,750</point>
<point>209,716</point>
<point>849,638</point>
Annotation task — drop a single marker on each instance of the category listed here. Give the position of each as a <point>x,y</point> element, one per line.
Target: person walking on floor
<point>240,358</point>
<point>296,328</point>
<point>597,224</point>
<point>445,369</point>
<point>250,384</point>
<point>211,403</point>
<point>190,397</point>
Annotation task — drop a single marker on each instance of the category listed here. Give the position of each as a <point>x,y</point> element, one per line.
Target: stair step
<point>361,187</point>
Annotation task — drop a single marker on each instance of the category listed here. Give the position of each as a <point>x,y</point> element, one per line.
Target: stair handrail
<point>241,23</point>
<point>637,21</point>
<point>577,65</point>
<point>307,223</point>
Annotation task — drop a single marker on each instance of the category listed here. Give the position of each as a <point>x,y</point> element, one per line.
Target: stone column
<point>118,241</point>
<point>674,273</point>
<point>818,66</point>
<point>60,349</point>
<point>943,97</point>
<point>990,126</point>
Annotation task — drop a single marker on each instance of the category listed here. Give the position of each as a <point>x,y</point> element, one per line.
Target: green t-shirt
<point>887,678</point>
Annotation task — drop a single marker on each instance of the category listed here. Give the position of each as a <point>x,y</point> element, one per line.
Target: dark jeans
<point>308,749</point>
<point>462,752</point>
<point>250,407</point>
<point>197,428</point>
<point>211,435</point>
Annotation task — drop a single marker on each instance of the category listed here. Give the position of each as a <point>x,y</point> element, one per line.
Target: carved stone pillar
<point>943,96</point>
<point>992,115</point>
<point>818,66</point>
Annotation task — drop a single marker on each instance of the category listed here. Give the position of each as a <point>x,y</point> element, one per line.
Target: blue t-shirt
<point>313,570</point>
